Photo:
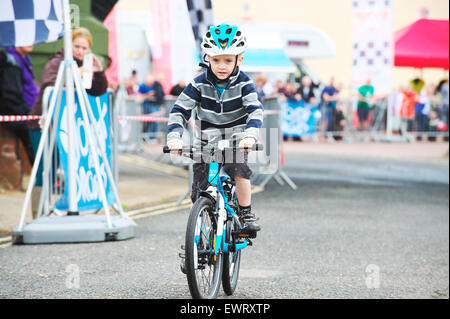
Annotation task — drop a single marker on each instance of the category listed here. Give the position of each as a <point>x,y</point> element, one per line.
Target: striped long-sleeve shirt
<point>236,111</point>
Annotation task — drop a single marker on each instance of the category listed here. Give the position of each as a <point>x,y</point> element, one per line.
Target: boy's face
<point>223,65</point>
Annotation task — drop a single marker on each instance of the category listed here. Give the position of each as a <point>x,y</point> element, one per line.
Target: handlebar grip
<point>166,149</point>
<point>258,147</point>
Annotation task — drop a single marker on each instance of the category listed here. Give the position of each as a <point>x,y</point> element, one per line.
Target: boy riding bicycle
<point>226,105</point>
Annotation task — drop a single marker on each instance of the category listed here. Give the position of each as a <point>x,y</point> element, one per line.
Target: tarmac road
<point>354,228</point>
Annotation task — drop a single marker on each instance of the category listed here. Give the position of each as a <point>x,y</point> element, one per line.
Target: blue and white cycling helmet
<point>223,39</point>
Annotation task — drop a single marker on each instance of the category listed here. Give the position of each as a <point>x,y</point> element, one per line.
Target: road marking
<point>5,245</point>
<point>162,211</point>
<point>7,238</point>
<point>257,189</point>
<point>153,208</point>
<point>165,168</point>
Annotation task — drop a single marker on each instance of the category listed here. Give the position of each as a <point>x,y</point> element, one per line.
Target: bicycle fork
<point>220,210</point>
<point>219,244</point>
<point>221,214</point>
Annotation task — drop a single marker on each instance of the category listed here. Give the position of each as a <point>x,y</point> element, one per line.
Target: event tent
<point>423,44</point>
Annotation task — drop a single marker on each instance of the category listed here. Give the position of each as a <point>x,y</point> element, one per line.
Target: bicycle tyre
<point>202,217</point>
<point>231,263</point>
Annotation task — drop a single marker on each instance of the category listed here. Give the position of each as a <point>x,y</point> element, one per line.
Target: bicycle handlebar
<point>255,147</point>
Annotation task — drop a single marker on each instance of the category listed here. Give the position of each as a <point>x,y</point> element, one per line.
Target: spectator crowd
<point>416,107</point>
<point>422,108</point>
<point>419,108</point>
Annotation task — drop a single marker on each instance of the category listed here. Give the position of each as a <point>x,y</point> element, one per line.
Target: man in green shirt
<point>365,96</point>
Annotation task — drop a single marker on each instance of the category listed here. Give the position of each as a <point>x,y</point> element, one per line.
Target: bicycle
<point>214,238</point>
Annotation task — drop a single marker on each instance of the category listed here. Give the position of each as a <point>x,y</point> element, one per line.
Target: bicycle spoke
<point>206,279</point>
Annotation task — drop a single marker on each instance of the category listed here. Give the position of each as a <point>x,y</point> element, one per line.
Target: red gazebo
<point>423,44</point>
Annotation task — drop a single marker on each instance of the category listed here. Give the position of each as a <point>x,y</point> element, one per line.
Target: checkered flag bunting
<point>372,44</point>
<point>369,48</point>
<point>28,22</point>
<point>201,16</point>
<point>372,53</point>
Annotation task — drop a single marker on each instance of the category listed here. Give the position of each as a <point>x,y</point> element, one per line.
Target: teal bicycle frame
<point>223,209</point>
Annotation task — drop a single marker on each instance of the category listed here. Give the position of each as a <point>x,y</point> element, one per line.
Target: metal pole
<point>87,114</point>
<point>50,148</point>
<point>389,109</point>
<point>40,149</point>
<point>70,100</point>
<point>44,193</point>
<point>83,107</point>
<point>114,125</point>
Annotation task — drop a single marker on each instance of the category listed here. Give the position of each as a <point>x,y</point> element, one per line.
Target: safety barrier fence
<point>134,127</point>
<point>130,132</point>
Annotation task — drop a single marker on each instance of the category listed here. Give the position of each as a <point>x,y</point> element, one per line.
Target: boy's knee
<point>238,171</point>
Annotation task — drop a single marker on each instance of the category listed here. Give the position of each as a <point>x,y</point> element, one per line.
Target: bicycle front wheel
<point>231,261</point>
<point>203,267</point>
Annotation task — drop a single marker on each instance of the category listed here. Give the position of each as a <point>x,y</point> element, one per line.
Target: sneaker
<point>249,221</point>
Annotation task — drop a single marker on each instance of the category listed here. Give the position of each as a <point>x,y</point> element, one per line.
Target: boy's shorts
<point>201,170</point>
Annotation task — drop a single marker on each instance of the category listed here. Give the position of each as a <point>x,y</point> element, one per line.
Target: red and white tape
<point>140,118</point>
<point>18,118</point>
<point>271,112</point>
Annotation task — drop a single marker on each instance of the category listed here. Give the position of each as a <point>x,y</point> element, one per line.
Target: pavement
<point>142,183</point>
<point>426,152</point>
<point>147,181</point>
<point>370,224</point>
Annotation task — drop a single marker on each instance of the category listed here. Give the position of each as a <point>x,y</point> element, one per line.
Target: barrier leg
<point>190,181</point>
<point>287,179</point>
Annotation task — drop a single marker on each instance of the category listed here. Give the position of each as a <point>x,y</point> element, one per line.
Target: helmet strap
<point>204,63</point>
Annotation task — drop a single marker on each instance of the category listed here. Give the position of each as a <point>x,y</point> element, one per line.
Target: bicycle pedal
<point>252,235</point>
<point>247,235</point>
<point>243,235</point>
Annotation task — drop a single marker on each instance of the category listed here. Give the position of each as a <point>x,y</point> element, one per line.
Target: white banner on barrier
<point>88,192</point>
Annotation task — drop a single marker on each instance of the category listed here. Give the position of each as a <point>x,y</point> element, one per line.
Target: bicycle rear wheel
<point>203,267</point>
